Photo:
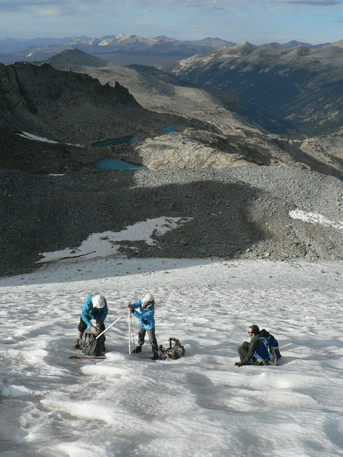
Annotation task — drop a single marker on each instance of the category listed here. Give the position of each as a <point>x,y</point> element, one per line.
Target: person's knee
<point>82,326</point>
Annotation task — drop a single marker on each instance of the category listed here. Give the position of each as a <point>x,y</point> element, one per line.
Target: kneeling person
<point>95,307</point>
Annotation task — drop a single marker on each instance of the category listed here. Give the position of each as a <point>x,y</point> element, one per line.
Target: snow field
<point>200,405</point>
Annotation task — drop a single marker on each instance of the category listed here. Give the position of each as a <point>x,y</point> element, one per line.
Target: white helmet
<point>148,298</point>
<point>98,301</point>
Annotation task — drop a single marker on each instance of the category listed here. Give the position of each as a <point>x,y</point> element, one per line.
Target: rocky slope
<point>73,110</point>
<point>238,138</point>
<point>231,213</point>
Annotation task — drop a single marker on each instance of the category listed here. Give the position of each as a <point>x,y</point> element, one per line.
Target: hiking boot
<point>155,356</point>
<point>137,350</point>
<point>77,344</point>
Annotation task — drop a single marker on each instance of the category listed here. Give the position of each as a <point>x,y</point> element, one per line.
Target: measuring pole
<point>131,333</point>
<point>108,327</point>
<point>130,330</point>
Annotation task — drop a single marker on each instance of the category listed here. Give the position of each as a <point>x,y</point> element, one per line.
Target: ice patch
<point>79,449</point>
<point>84,410</point>
<point>315,218</point>
<point>16,391</point>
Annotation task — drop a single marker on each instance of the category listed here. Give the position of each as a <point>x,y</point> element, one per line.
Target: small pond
<point>115,164</point>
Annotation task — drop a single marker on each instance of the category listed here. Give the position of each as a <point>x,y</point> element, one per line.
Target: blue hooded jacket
<point>146,317</point>
<point>89,312</point>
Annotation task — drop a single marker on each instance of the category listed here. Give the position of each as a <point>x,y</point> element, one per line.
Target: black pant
<point>82,326</point>
<point>243,350</point>
<point>151,335</point>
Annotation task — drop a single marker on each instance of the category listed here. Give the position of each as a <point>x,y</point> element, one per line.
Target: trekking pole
<point>131,333</point>
<point>130,322</point>
<point>108,327</point>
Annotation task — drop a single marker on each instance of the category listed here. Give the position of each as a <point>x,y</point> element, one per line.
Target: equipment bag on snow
<point>173,352</point>
<point>272,345</point>
<point>89,345</point>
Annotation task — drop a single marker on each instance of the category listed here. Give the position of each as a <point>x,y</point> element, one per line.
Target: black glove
<point>144,321</point>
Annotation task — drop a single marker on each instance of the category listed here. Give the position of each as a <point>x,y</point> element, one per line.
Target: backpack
<point>273,348</point>
<point>262,354</point>
<point>89,345</point>
<point>173,352</point>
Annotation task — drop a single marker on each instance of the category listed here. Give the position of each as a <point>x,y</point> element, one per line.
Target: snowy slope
<point>200,405</point>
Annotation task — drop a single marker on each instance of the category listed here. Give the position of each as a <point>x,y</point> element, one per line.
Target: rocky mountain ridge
<point>299,89</point>
<point>121,49</point>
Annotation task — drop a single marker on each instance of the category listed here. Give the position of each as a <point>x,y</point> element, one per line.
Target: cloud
<point>48,12</point>
<point>314,2</point>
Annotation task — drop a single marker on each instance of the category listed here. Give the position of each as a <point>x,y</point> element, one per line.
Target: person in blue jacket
<point>144,310</point>
<point>95,307</point>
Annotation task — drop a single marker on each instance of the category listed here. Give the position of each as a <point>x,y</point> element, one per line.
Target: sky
<point>257,21</point>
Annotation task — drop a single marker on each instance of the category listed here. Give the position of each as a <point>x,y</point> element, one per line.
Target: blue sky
<point>256,21</point>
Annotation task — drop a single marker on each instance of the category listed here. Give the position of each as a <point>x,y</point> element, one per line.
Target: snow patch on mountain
<point>315,218</point>
<point>108,243</point>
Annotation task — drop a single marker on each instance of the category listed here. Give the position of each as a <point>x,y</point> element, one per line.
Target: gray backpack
<point>173,352</point>
<point>89,345</point>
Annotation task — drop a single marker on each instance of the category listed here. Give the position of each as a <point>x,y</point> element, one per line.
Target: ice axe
<point>108,327</point>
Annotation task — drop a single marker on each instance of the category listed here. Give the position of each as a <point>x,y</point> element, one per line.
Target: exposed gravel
<point>236,213</point>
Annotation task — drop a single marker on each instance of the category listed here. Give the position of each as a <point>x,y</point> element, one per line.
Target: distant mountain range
<point>17,45</point>
<point>298,88</point>
<point>121,49</point>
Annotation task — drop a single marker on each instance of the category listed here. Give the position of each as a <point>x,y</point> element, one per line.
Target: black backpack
<point>92,346</point>
<point>173,352</point>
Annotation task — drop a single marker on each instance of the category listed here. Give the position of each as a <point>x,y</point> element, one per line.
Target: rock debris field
<point>234,213</point>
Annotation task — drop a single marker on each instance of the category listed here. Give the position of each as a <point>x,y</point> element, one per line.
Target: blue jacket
<point>146,317</point>
<point>88,312</point>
